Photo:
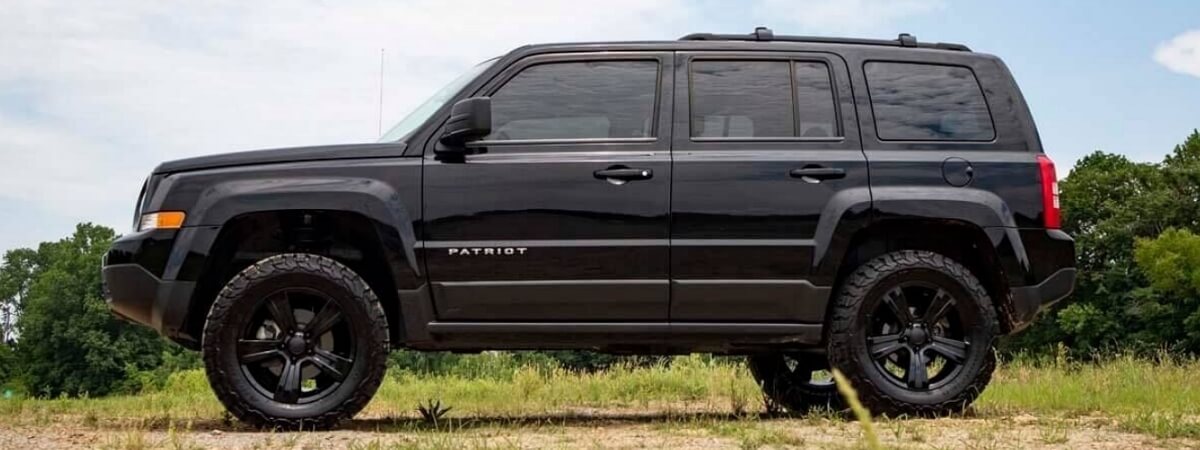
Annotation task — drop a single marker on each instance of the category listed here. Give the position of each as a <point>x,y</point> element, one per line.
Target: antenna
<point>379,126</point>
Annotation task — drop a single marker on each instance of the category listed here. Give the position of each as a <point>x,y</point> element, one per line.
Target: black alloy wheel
<point>917,336</point>
<point>913,331</point>
<point>298,346</point>
<point>295,341</point>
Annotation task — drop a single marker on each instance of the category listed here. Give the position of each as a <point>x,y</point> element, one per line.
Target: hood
<point>283,155</point>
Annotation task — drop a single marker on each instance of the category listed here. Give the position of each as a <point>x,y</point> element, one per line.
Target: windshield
<point>421,113</point>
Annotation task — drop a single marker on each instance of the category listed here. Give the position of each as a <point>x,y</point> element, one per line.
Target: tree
<point>1171,262</point>
<point>69,342</point>
<point>16,274</point>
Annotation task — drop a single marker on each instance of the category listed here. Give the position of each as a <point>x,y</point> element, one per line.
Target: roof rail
<point>764,34</point>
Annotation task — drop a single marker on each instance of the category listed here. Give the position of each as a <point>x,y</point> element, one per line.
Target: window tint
<point>927,102</point>
<point>577,100</point>
<point>762,99</point>
<point>741,99</point>
<point>815,116</point>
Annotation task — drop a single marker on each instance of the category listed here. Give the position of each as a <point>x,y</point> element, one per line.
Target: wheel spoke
<point>882,346</point>
<point>324,320</point>
<point>254,350</point>
<point>938,306</point>
<point>288,389</point>
<point>953,350</point>
<point>898,303</point>
<point>281,312</point>
<point>334,365</point>
<point>917,377</point>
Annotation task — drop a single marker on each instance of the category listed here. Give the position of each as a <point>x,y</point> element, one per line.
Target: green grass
<point>716,394</point>
<point>1119,386</point>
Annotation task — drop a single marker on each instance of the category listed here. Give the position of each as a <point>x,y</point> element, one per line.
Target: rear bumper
<point>1027,301</point>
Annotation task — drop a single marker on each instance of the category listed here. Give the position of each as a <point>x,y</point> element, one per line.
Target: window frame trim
<point>514,70</point>
<point>978,84</point>
<point>791,60</point>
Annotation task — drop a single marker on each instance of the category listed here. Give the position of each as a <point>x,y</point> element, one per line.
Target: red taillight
<point>1051,216</point>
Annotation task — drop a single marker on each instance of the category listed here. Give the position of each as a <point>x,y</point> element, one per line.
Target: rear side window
<point>577,100</point>
<point>761,99</point>
<point>927,102</point>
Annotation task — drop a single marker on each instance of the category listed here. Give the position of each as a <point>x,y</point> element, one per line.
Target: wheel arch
<point>374,250</point>
<point>971,245</point>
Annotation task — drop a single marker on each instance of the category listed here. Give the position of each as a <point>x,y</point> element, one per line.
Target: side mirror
<point>470,118</point>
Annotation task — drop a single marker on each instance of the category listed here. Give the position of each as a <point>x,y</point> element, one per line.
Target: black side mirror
<point>470,118</point>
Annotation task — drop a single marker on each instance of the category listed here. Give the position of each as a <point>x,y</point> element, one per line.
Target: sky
<point>94,94</point>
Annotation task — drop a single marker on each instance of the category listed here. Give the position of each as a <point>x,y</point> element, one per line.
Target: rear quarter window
<point>927,102</point>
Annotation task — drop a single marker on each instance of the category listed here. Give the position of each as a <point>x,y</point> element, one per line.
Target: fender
<point>368,197</point>
<point>389,196</point>
<point>844,216</point>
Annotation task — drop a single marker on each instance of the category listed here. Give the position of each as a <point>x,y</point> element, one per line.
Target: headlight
<point>162,220</point>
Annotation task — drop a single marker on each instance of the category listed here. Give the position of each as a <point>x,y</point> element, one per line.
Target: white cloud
<point>93,94</point>
<point>1181,54</point>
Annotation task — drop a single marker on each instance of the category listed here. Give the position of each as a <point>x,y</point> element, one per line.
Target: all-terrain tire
<point>238,299</point>
<point>851,317</point>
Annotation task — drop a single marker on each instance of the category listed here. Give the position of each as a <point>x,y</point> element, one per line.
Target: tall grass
<point>1117,385</point>
<point>1161,398</point>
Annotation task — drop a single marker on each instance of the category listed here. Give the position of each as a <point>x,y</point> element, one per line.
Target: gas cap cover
<point>957,171</point>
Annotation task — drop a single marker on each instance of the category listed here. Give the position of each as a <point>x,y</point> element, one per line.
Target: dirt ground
<point>598,429</point>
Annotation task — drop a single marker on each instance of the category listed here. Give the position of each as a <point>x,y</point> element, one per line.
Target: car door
<point>561,214</point>
<point>764,142</point>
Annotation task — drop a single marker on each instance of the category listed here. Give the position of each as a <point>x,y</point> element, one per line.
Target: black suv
<point>882,207</point>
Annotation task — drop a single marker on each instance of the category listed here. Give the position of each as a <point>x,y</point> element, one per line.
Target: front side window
<point>927,102</point>
<point>762,99</point>
<point>577,100</point>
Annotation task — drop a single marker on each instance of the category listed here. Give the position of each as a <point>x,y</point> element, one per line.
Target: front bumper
<point>134,287</point>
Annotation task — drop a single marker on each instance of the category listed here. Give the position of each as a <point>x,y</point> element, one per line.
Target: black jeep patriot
<point>882,207</point>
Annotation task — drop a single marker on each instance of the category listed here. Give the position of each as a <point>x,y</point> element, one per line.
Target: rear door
<point>561,214</point>
<point>763,142</point>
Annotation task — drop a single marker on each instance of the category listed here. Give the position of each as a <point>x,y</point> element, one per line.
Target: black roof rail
<point>764,34</point>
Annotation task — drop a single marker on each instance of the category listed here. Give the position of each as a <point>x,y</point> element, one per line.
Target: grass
<point>694,396</point>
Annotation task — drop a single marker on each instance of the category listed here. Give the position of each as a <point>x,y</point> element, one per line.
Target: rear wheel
<point>797,382</point>
<point>913,332</point>
<point>295,341</point>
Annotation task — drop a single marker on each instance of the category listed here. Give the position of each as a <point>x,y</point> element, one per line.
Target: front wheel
<point>913,332</point>
<point>295,341</point>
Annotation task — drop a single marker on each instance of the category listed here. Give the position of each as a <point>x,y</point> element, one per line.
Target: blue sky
<point>93,94</point>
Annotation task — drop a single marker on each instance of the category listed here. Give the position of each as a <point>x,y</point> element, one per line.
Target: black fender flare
<point>852,210</point>
<point>373,199</point>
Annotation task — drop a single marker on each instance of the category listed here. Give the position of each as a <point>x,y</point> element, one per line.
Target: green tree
<point>1171,262</point>
<point>69,343</point>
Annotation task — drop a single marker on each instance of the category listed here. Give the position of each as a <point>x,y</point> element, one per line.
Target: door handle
<point>623,174</point>
<point>816,174</point>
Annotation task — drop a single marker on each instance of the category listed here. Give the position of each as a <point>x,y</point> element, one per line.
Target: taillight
<point>1051,216</point>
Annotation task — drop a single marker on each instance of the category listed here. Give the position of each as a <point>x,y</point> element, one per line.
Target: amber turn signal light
<point>162,220</point>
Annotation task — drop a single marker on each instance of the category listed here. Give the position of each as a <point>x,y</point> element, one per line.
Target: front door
<point>763,143</point>
<point>561,214</point>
